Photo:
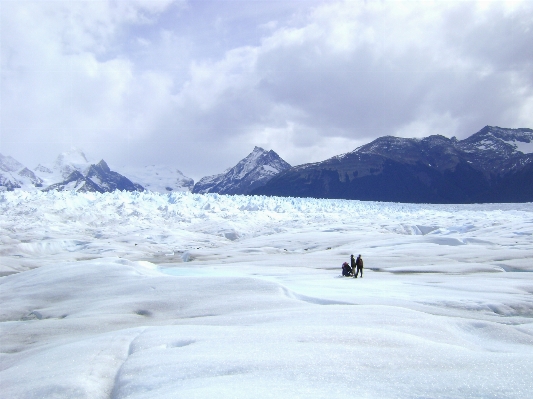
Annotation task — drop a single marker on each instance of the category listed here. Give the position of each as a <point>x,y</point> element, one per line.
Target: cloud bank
<point>198,84</point>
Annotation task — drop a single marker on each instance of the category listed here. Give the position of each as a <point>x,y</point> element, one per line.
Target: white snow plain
<point>143,295</point>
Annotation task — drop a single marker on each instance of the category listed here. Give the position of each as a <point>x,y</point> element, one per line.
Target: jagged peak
<point>103,165</point>
<point>259,149</point>
<point>497,131</point>
<point>257,167</point>
<point>9,164</point>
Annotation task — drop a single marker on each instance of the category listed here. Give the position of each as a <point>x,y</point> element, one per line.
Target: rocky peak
<point>103,165</point>
<point>497,151</point>
<point>252,171</point>
<point>9,164</point>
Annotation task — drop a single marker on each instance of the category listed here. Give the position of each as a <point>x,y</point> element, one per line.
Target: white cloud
<point>193,87</point>
<point>58,91</point>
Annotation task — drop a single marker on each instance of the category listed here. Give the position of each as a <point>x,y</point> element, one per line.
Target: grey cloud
<point>198,87</point>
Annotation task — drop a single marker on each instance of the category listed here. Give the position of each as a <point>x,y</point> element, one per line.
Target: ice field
<point>143,295</point>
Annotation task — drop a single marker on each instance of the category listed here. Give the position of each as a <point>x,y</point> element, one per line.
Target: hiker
<point>353,264</point>
<point>346,270</point>
<point>359,264</point>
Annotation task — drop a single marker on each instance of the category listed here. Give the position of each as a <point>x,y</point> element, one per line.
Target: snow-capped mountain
<point>73,171</point>
<point>493,165</point>
<point>70,171</point>
<point>64,165</point>
<point>250,173</point>
<point>97,178</point>
<point>498,151</point>
<point>68,162</point>
<point>158,178</point>
<point>13,175</point>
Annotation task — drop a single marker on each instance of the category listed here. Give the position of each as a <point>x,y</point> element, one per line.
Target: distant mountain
<point>97,178</point>
<point>70,171</point>
<point>250,173</point>
<point>13,175</point>
<point>493,165</point>
<point>70,161</point>
<point>157,178</point>
<point>64,165</point>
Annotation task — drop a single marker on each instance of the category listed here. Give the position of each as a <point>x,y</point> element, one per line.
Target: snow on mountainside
<point>64,165</point>
<point>498,151</point>
<point>97,178</point>
<point>158,178</point>
<point>68,162</point>
<point>13,175</point>
<point>9,164</point>
<point>73,171</point>
<point>70,171</point>
<point>500,141</point>
<point>250,173</point>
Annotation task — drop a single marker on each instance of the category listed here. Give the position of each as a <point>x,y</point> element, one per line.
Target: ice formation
<point>143,295</point>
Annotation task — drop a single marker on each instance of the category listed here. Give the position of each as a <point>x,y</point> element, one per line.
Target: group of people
<point>355,267</point>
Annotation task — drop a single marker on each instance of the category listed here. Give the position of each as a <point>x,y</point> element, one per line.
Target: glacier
<point>142,295</point>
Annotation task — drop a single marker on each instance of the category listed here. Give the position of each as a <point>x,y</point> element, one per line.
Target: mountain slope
<point>72,170</point>
<point>97,178</point>
<point>158,178</point>
<point>13,175</point>
<point>491,165</point>
<point>250,173</point>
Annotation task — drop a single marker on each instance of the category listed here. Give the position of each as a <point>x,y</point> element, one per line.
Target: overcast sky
<point>197,84</point>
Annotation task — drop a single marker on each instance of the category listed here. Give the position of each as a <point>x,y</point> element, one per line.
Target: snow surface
<point>142,295</point>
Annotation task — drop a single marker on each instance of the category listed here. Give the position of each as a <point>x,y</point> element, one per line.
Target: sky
<point>197,84</point>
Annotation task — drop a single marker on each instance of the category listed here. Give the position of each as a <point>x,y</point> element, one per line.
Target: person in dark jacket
<point>346,270</point>
<point>359,265</point>
<point>352,261</point>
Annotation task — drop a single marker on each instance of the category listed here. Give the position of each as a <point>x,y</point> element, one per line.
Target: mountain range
<point>70,171</point>
<point>493,165</point>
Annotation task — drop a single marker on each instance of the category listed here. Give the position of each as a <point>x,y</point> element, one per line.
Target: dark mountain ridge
<point>489,166</point>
